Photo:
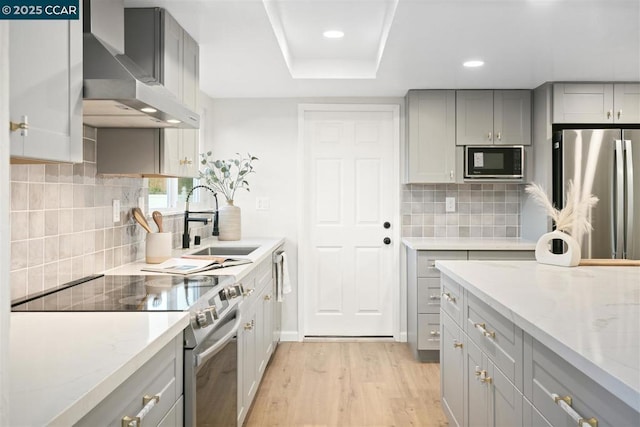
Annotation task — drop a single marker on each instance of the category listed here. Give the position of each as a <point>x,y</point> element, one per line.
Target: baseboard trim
<point>289,336</point>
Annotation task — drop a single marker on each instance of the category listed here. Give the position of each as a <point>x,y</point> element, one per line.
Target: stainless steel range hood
<point>115,89</point>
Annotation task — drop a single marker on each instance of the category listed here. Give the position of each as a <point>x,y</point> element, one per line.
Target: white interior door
<point>351,185</point>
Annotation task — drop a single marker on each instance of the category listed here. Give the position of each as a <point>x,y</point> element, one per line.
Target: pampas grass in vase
<point>571,222</point>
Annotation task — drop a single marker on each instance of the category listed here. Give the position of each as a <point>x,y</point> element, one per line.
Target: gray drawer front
<point>502,255</point>
<point>531,417</point>
<point>429,295</point>
<point>427,260</point>
<point>428,331</point>
<point>451,302</point>
<point>505,348</point>
<point>548,373</point>
<point>162,372</point>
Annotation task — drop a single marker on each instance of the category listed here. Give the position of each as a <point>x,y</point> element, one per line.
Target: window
<point>170,193</point>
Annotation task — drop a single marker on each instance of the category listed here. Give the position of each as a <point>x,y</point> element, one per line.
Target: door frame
<point>303,220</point>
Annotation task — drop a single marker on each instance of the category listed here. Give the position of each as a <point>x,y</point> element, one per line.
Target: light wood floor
<point>347,384</point>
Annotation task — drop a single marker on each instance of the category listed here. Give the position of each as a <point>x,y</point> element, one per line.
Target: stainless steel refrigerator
<point>616,216</point>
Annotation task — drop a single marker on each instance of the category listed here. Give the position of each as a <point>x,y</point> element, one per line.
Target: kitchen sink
<point>226,250</point>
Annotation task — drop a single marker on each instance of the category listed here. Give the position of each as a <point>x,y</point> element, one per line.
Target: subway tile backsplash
<point>482,210</point>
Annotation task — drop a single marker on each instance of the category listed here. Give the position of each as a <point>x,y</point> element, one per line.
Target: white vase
<point>570,258</point>
<point>229,218</point>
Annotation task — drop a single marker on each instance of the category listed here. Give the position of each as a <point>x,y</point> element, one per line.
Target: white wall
<point>268,129</point>
<point>4,224</point>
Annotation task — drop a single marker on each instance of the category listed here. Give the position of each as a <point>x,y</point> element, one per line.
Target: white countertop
<point>590,316</point>
<point>468,244</point>
<point>266,246</point>
<point>63,364</point>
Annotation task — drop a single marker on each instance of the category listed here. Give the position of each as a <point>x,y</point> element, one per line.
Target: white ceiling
<point>523,43</point>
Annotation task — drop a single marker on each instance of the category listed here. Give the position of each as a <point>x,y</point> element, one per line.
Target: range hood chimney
<point>116,91</point>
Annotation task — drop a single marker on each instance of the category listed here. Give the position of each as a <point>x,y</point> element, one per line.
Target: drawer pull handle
<point>565,404</point>
<point>247,292</point>
<point>483,328</point>
<point>249,325</point>
<point>482,376</point>
<point>457,344</point>
<point>434,333</point>
<point>148,402</point>
<point>448,297</point>
<point>434,297</point>
<point>432,264</point>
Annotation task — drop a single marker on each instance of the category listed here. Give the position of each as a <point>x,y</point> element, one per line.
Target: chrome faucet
<point>185,235</point>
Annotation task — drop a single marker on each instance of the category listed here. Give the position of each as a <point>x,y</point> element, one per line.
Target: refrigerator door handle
<point>618,232</point>
<point>630,195</point>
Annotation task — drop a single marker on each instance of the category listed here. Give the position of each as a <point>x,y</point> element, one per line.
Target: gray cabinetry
<point>423,301</point>
<point>596,103</point>
<point>149,152</point>
<point>257,338</point>
<point>45,81</point>
<point>475,390</point>
<point>560,392</point>
<point>487,117</point>
<point>431,134</point>
<point>425,292</point>
<point>162,377</point>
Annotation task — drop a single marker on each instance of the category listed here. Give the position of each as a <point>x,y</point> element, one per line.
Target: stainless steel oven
<point>210,344</point>
<point>211,376</point>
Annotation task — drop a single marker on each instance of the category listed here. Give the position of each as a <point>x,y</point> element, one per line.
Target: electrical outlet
<point>262,203</point>
<point>116,210</point>
<point>450,204</point>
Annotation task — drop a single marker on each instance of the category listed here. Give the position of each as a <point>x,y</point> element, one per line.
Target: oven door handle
<point>213,350</point>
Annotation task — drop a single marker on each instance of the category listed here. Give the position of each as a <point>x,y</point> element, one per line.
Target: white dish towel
<point>285,287</point>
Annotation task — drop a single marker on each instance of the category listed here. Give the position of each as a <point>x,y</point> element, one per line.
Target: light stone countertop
<point>590,316</point>
<point>266,246</point>
<point>468,244</point>
<point>63,364</point>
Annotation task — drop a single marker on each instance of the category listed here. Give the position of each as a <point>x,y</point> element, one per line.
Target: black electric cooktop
<point>123,293</point>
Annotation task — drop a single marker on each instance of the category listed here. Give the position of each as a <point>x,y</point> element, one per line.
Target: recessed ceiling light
<point>474,63</point>
<point>333,34</point>
<point>173,121</point>
<point>148,110</point>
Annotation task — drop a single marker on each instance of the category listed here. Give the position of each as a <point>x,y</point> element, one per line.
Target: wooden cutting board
<point>610,262</point>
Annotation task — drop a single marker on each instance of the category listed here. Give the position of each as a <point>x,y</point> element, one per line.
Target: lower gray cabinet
<point>452,370</point>
<point>531,417</point>
<point>161,376</point>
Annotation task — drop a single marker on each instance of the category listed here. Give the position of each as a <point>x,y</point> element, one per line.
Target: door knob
<point>387,241</point>
<point>386,224</point>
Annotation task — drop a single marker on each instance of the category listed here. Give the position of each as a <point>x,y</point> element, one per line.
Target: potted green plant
<point>226,177</point>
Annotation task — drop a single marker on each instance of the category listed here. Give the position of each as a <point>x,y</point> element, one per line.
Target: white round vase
<point>570,258</point>
<point>229,218</point>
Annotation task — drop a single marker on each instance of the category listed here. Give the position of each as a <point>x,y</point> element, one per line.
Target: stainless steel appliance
<point>210,362</point>
<point>616,217</point>
<point>499,162</point>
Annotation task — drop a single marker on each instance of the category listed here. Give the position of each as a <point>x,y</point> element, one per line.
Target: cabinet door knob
<point>490,136</point>
<point>619,114</point>
<point>609,114</point>
<point>23,127</point>
<point>499,136</point>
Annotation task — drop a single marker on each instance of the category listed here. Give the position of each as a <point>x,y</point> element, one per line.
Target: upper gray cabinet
<point>596,103</point>
<point>45,90</point>
<point>431,135</point>
<point>164,50</point>
<point>487,117</point>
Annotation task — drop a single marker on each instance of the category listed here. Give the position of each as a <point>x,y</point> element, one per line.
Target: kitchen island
<point>531,324</point>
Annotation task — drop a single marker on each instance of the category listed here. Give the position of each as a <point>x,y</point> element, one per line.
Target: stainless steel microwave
<point>494,162</point>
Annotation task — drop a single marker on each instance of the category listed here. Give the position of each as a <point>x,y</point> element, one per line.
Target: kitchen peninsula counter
<point>64,364</point>
<point>589,316</point>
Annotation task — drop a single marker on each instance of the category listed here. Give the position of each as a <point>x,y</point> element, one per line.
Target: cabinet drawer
<point>548,374</point>
<point>160,375</point>
<point>531,417</point>
<point>451,302</point>
<point>429,295</point>
<point>428,331</point>
<point>427,261</point>
<point>497,336</point>
<point>502,255</point>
